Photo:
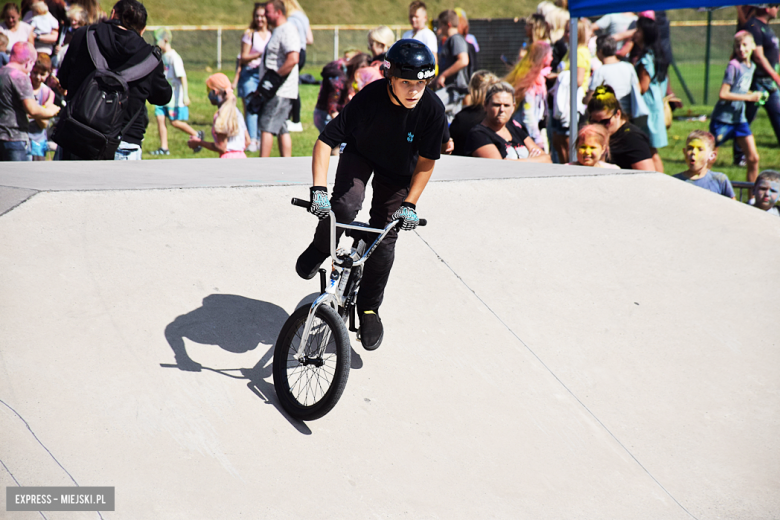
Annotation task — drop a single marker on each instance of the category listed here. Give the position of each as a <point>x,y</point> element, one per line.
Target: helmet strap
<point>392,93</point>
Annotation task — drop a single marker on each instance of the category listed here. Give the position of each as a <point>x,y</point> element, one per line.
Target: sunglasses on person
<point>603,122</point>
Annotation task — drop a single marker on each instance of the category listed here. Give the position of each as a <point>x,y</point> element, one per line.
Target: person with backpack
<point>130,71</point>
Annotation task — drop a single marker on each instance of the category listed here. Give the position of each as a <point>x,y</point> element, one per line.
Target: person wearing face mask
<point>393,130</point>
<point>120,42</point>
<point>229,131</point>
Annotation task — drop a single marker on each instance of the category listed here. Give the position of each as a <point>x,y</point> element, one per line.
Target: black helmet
<point>409,59</point>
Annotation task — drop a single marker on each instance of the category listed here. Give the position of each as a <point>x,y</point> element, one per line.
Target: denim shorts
<point>557,127</point>
<point>725,132</point>
<point>128,152</point>
<point>321,119</point>
<point>248,80</point>
<point>14,151</point>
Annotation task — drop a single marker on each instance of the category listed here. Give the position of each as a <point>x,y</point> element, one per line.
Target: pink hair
<point>527,72</point>
<point>23,52</point>
<point>600,133</point>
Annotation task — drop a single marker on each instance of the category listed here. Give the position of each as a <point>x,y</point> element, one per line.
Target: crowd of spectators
<point>524,115</point>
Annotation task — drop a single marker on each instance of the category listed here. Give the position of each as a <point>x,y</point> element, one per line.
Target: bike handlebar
<point>305,204</point>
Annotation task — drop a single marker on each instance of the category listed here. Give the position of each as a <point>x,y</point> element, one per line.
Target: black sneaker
<point>371,331</point>
<point>161,151</point>
<point>309,262</point>
<point>201,135</point>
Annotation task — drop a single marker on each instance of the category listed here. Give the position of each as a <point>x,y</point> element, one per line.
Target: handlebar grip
<point>300,202</point>
<point>423,222</point>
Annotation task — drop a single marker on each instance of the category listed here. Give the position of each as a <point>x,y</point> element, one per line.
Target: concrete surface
<point>558,344</point>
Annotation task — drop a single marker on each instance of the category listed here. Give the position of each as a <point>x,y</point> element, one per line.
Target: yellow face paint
<point>589,151</point>
<point>696,153</point>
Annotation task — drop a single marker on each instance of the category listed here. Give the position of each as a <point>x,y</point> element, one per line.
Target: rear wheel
<point>310,385</point>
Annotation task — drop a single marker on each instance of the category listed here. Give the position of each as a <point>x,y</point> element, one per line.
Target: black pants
<point>348,194</point>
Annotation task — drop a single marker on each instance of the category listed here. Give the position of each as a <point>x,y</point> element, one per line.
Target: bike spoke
<point>308,384</point>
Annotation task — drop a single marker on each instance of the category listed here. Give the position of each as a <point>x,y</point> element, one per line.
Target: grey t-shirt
<point>301,22</point>
<point>448,54</point>
<point>15,87</point>
<point>616,23</point>
<point>620,76</point>
<point>714,181</point>
<point>283,40</point>
<point>739,77</point>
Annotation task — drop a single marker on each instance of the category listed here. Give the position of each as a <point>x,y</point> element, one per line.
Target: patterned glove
<point>407,214</point>
<point>320,205</point>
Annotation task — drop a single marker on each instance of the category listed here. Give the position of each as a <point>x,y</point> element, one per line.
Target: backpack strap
<point>94,52</point>
<point>130,74</point>
<point>142,69</point>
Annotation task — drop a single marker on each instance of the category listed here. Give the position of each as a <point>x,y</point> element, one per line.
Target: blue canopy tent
<point>587,8</point>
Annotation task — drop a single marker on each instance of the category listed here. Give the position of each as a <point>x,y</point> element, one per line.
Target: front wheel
<point>310,385</point>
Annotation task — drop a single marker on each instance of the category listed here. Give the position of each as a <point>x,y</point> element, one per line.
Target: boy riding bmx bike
<point>393,130</point>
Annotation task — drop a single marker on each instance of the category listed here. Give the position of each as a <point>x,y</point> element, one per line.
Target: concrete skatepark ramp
<point>560,342</point>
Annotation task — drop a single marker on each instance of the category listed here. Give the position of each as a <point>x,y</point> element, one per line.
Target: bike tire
<point>308,392</point>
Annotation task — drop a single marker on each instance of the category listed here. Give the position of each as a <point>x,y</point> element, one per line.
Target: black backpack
<point>91,125</point>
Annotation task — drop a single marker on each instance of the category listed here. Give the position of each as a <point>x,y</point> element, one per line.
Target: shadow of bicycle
<point>237,324</point>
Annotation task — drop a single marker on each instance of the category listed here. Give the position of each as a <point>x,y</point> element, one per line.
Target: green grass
<point>343,12</point>
<point>672,155</point>
<point>202,114</point>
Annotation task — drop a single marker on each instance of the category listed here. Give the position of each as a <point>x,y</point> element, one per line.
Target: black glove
<point>320,205</point>
<point>407,214</point>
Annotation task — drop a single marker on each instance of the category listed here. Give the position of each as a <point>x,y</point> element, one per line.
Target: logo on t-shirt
<point>410,137</point>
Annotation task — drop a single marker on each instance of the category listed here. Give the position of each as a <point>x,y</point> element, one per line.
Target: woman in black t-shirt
<point>474,112</point>
<point>629,147</point>
<point>494,139</point>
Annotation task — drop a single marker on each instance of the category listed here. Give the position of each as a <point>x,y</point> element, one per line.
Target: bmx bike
<point>312,353</point>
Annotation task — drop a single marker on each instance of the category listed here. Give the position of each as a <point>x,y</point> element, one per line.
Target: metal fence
<point>217,47</point>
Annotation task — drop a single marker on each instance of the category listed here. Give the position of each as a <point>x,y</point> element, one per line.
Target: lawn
<point>343,12</point>
<point>202,112</point>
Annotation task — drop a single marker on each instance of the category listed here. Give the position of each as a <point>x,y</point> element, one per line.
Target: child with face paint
<point>44,96</point>
<point>593,147</point>
<point>728,120</point>
<point>766,191</point>
<point>231,137</point>
<point>699,153</point>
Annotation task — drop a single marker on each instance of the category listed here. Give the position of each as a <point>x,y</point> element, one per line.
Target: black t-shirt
<point>628,146</point>
<point>765,38</point>
<point>481,135</point>
<point>466,119</point>
<point>388,136</point>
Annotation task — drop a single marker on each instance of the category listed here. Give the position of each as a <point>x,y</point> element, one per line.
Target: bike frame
<point>342,267</point>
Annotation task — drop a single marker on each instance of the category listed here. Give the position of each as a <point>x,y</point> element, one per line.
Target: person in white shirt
<point>178,109</point>
<point>13,27</point>
<point>45,27</point>
<point>418,17</point>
